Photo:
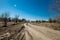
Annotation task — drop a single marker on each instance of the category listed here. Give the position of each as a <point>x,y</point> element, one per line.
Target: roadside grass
<point>55,26</point>
<point>8,24</point>
<point>10,28</point>
<point>1,24</point>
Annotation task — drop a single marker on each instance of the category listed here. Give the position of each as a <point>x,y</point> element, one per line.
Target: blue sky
<point>28,9</point>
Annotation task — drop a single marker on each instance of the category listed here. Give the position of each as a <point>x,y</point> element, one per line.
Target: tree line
<point>5,18</point>
<point>50,20</point>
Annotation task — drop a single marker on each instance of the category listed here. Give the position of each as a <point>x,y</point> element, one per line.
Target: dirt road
<point>34,32</point>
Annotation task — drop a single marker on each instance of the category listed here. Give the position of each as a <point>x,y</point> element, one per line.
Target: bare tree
<point>5,17</point>
<point>23,20</point>
<point>16,19</point>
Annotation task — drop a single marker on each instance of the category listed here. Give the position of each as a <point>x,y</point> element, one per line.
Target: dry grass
<point>55,26</point>
<point>1,24</point>
<point>10,28</point>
